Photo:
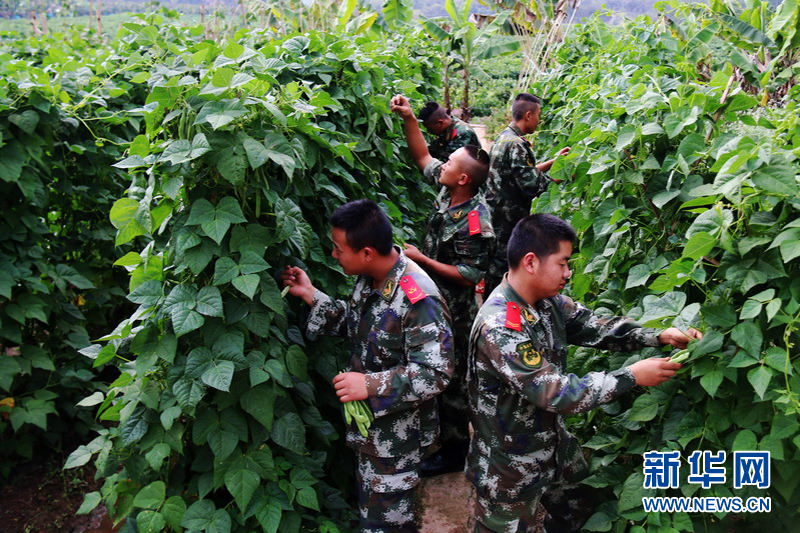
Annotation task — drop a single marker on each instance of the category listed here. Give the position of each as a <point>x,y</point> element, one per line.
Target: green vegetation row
<point>684,191</point>
<point>217,164</point>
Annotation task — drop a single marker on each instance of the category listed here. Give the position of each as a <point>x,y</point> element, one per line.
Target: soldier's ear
<point>463,180</point>
<point>369,252</point>
<point>531,262</point>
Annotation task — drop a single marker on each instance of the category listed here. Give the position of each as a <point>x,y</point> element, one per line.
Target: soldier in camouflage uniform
<point>515,178</point>
<point>450,133</point>
<point>402,358</point>
<point>519,390</point>
<point>459,241</point>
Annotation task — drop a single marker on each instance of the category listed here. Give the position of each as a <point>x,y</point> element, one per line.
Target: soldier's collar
<point>516,130</point>
<point>528,313</point>
<point>458,212</point>
<point>392,280</point>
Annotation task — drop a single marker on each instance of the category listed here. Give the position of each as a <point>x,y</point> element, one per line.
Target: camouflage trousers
<point>453,403</point>
<point>567,506</point>
<point>387,492</point>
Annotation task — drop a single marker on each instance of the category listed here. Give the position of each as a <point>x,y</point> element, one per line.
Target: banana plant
<point>465,44</point>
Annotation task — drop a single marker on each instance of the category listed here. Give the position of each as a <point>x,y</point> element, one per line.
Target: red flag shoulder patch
<point>512,316</point>
<point>480,288</point>
<point>412,290</point>
<point>454,133</point>
<point>474,223</point>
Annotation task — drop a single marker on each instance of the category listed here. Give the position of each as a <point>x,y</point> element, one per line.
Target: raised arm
<point>416,142</point>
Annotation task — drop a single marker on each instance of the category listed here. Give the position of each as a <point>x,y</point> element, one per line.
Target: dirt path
<point>445,503</point>
<point>480,130</point>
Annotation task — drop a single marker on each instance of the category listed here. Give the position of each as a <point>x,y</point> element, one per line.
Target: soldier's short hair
<point>432,111</point>
<point>477,166</point>
<point>364,224</point>
<point>539,233</point>
<point>523,103</point>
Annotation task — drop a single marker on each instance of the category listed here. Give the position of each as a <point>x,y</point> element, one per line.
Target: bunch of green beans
<point>359,411</point>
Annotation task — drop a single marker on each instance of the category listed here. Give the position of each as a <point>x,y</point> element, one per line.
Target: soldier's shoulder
<point>421,280</point>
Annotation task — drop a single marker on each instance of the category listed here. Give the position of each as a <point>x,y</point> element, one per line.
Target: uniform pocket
<point>387,349</point>
<point>390,483</point>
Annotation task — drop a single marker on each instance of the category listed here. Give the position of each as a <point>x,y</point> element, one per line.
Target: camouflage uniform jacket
<point>513,182</point>
<point>458,134</point>
<point>401,340</point>
<point>451,239</point>
<point>519,389</point>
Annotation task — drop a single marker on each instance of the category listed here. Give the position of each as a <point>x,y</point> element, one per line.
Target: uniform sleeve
<point>618,333</point>
<point>474,253</point>
<point>428,364</point>
<point>327,316</point>
<point>532,181</point>
<point>541,383</point>
<point>432,171</point>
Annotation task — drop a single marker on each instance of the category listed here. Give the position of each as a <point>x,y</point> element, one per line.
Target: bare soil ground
<point>39,497</point>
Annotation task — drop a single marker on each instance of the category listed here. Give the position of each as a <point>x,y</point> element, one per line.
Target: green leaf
<point>258,402</point>
<point>269,516</point>
<point>185,320</point>
<point>644,409</point>
<point>307,497</point>
<point>247,285</point>
<point>637,276</point>
<point>252,263</point>
<point>750,309</point>
<point>599,521</point>
<point>129,259</point>
<point>669,305</point>
<point>711,342</point>
<point>699,245</point>
<point>297,362</point>
<point>289,432</point>
<point>749,337</point>
<point>216,229</point>
<point>711,381</point>
<point>26,121</point>
<point>776,179</point>
<point>745,30</point>
<point>151,496</point>
<point>225,270</point>
<point>271,295</point>
<point>181,151</point>
<point>173,511</point>
<point>90,501</point>
<point>12,161</point>
<point>219,114</point>
<point>169,415</point>
<point>209,302</point>
<point>147,294</point>
<point>150,522</point>
<point>202,212</point>
<point>745,440</point>
<point>155,457</point>
<point>229,209</point>
<point>79,457</point>
<point>199,516</point>
<point>122,216</point>
<point>219,375</point>
<point>241,484</point>
<point>759,378</point>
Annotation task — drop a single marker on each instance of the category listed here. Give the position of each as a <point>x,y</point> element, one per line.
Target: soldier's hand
<point>400,105</point>
<point>653,371</point>
<point>351,386</point>
<point>563,151</point>
<point>299,283</point>
<point>413,253</point>
<point>677,338</point>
